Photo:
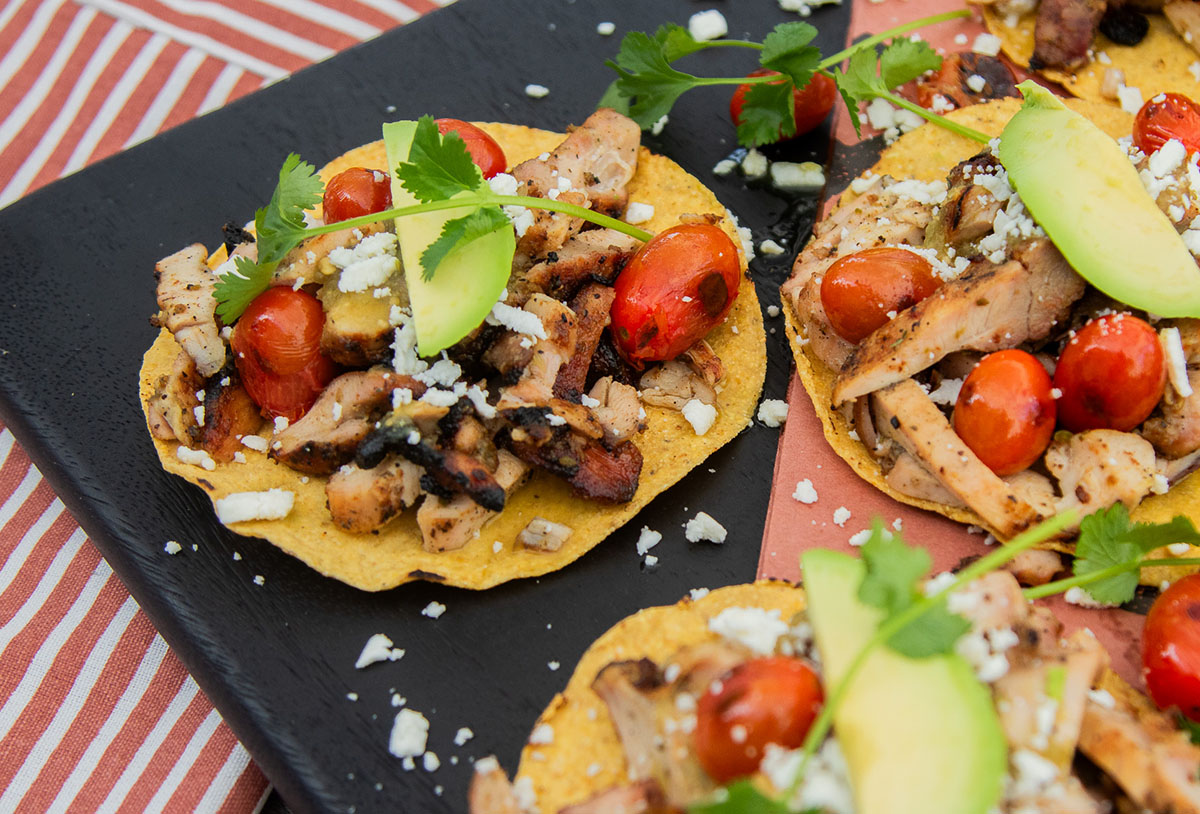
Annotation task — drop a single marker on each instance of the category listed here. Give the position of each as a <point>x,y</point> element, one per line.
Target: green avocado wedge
<point>920,736</point>
<point>1081,188</point>
<point>468,281</point>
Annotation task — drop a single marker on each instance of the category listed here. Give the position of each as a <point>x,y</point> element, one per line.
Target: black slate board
<point>278,660</point>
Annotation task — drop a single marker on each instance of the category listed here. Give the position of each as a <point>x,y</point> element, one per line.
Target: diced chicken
<point>988,308</point>
<point>490,792</point>
<point>229,413</point>
<point>188,307</point>
<point>345,412</point>
<point>362,500</point>
<point>591,307</point>
<point>1184,16</point>
<point>172,407</point>
<point>1173,194</point>
<point>908,477</point>
<point>704,362</point>
<point>304,261</point>
<point>645,797</point>
<point>919,426</point>
<point>1035,566</point>
<point>536,385</point>
<point>1175,430</point>
<point>597,254</point>
<point>673,384</point>
<point>447,525</point>
<point>620,409</point>
<point>951,81</point>
<point>969,212</point>
<point>1144,752</point>
<point>593,470</point>
<point>544,535</point>
<point>1064,32</point>
<point>1035,489</point>
<point>1098,468</point>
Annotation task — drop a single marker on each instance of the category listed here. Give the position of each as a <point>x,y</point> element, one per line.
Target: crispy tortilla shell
<point>393,555</point>
<point>928,153</point>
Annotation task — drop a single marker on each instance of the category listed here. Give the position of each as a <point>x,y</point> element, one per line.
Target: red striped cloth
<point>96,714</point>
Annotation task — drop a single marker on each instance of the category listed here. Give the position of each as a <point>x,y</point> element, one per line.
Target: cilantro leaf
<point>459,232</point>
<point>676,41</point>
<point>904,60</point>
<point>786,49</point>
<point>1190,727</point>
<point>647,78</point>
<point>438,167</point>
<point>768,114</point>
<point>614,99</point>
<point>1107,539</point>
<point>859,82</point>
<point>740,797</point>
<point>237,290</point>
<point>932,633</point>
<point>868,76</point>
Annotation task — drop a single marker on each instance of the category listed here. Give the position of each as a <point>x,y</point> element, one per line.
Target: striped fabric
<point>96,714</point>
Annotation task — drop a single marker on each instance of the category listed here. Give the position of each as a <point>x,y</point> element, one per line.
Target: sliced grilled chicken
<point>1175,430</point>
<point>1064,32</point>
<point>172,408</point>
<point>447,525</point>
<point>620,410</point>
<point>229,413</point>
<point>188,307</point>
<point>536,385</point>
<point>969,212</point>
<point>1098,468</point>
<point>591,307</point>
<point>362,500</point>
<point>594,255</point>
<point>304,261</point>
<point>1185,19</point>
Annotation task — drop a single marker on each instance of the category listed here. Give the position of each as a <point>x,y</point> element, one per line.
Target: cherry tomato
<point>677,287</point>
<point>861,289</point>
<point>764,700</point>
<point>356,192</point>
<point>812,102</point>
<point>1005,411</point>
<point>1171,647</point>
<point>1111,374</point>
<point>277,350</point>
<point>484,150</point>
<point>1165,117</point>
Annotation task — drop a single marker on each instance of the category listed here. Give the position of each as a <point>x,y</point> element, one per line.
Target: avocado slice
<point>920,736</point>
<point>468,282</point>
<point>1081,188</point>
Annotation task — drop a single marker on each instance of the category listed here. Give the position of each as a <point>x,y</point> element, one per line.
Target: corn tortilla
<point>394,556</point>
<point>928,153</point>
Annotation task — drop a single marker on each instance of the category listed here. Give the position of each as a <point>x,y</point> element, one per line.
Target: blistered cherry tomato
<point>484,150</point>
<point>812,102</point>
<point>1165,117</point>
<point>1171,647</point>
<point>1111,375</point>
<point>676,288</point>
<point>1005,411</point>
<point>277,350</point>
<point>861,289</point>
<point>356,192</point>
<point>764,700</point>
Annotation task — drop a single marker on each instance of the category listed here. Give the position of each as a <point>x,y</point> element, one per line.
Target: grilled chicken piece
<point>950,81</point>
<point>989,308</point>
<point>362,500</point>
<point>591,307</point>
<point>597,255</point>
<point>229,413</point>
<point>304,261</point>
<point>345,412</point>
<point>1064,32</point>
<point>919,426</point>
<point>645,797</point>
<point>595,164</point>
<point>1097,468</point>
<point>1035,566</point>
<point>188,307</point>
<point>969,212</point>
<point>908,477</point>
<point>675,383</point>
<point>172,407</point>
<point>1184,16</point>
<point>544,535</point>
<point>509,355</point>
<point>1144,752</point>
<point>620,410</point>
<point>447,525</point>
<point>1175,431</point>
<point>592,470</point>
<point>490,792</point>
<point>358,330</point>
<point>548,355</point>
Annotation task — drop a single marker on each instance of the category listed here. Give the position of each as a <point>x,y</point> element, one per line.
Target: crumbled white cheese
<point>463,735</point>
<point>860,537</point>
<point>769,248</point>
<point>704,527</point>
<point>195,457</point>
<point>986,44</point>
<point>698,593</point>
<point>516,320</point>
<point>804,7</point>
<point>1178,549</point>
<point>724,166</point>
<point>700,415</point>
<point>433,610</point>
<point>638,212</point>
<point>487,765</point>
<point>430,761</point>
<point>939,103</point>
<point>410,732</point>
<point>172,547</point>
<point>255,442</point>
<point>605,29</point>
<point>825,786</point>
<point>478,398</point>
<point>647,540</point>
<point>976,83</point>
<point>840,515</point>
<point>657,128</point>
<point>368,264</point>
<point>754,164</point>
<point>273,504</point>
<point>755,628</point>
<point>880,114</point>
<point>1172,344</point>
<point>805,176</point>
<point>1130,99</point>
<point>772,412</point>
<point>707,25</point>
<point>1102,698</point>
<point>378,648</point>
<point>536,91</point>
<point>1166,159</point>
<point>1080,596</point>
<point>543,733</point>
<point>805,492</point>
<point>946,392</point>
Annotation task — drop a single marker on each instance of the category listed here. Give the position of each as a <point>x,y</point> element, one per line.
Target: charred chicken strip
<point>172,408</point>
<point>447,525</point>
<point>188,307</point>
<point>229,413</point>
<point>595,255</point>
<point>591,307</point>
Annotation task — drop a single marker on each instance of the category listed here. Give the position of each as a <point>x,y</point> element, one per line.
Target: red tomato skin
<point>773,699</point>
<point>1111,375</point>
<point>812,103</point>
<point>1162,119</point>
<point>485,152</point>
<point>651,319</point>
<point>356,192</point>
<point>1171,647</point>
<point>860,289</point>
<point>1005,411</point>
<point>277,349</point>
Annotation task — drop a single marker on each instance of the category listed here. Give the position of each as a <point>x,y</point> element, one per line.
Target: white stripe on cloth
<point>111,729</point>
<point>154,739</point>
<point>6,446</point>
<point>226,778</point>
<point>15,121</point>
<point>69,110</point>
<point>393,8</point>
<point>250,26</point>
<point>10,10</point>
<point>218,92</point>
<point>168,96</point>
<point>43,660</point>
<point>71,706</point>
<point>14,504</point>
<point>325,16</point>
<point>183,765</point>
<point>192,39</point>
<point>50,577</point>
<point>29,39</point>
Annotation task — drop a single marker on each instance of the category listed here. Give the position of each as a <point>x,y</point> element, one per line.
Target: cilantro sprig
<point>439,173</point>
<point>648,85</point>
<point>1109,552</point>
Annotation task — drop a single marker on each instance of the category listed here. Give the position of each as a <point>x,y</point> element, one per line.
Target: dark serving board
<point>278,659</point>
